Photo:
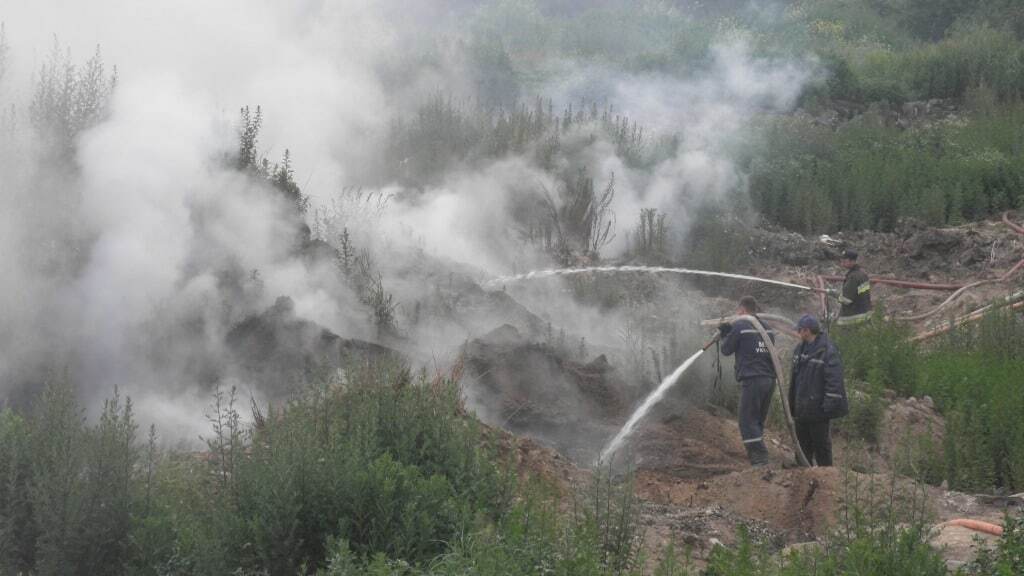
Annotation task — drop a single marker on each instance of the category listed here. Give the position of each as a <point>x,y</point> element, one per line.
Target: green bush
<point>867,407</point>
<point>878,352</point>
<point>374,472</point>
<point>66,498</point>
<point>867,174</point>
<point>973,374</point>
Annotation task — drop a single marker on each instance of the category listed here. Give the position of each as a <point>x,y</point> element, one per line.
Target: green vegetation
<point>374,472</point>
<point>378,472</point>
<point>914,112</point>
<point>974,376</point>
<point>867,174</point>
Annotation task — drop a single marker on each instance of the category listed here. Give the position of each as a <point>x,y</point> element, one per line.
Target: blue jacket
<point>752,357</point>
<point>816,390</point>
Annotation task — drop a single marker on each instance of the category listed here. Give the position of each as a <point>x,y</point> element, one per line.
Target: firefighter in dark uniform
<point>756,375</point>
<point>817,394</point>
<point>855,298</point>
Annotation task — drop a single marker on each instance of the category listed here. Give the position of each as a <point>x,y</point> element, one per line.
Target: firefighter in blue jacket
<point>756,375</point>
<point>816,391</point>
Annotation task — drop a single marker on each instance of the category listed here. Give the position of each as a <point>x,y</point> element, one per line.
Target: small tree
<point>582,219</point>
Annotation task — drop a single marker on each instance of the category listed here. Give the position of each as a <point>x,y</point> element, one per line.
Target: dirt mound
<point>276,350</point>
<point>909,421</point>
<point>797,504</point>
<point>530,389</point>
<point>687,443</point>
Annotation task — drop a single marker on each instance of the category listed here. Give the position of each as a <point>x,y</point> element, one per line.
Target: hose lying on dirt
<point>976,525</point>
<point>1014,304</point>
<point>801,458</point>
<point>959,293</point>
<point>1008,275</point>
<point>957,289</point>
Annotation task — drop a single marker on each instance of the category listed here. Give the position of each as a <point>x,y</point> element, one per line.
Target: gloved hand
<point>724,328</point>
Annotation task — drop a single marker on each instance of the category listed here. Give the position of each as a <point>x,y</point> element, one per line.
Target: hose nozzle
<point>715,338</point>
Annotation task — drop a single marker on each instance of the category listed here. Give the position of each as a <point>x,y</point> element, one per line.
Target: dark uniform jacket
<point>816,390</point>
<point>856,296</point>
<point>752,357</point>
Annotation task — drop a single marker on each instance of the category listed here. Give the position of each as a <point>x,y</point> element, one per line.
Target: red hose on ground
<point>945,287</point>
<point>903,283</point>
<point>1013,225</point>
<point>1009,274</point>
<point>976,525</point>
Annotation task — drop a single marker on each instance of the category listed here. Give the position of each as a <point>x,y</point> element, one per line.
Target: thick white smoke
<point>162,215</point>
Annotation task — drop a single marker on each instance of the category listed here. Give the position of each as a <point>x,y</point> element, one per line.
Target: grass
<point>973,374</point>
<point>375,471</point>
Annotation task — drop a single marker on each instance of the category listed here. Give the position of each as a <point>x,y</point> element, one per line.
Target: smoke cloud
<point>130,264</point>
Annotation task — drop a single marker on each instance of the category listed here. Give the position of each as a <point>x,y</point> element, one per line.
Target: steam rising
<point>129,265</point>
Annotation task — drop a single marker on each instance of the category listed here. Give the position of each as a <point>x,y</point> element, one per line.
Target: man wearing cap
<point>816,391</point>
<point>755,373</point>
<point>855,298</point>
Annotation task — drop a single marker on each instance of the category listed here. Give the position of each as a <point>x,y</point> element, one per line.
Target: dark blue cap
<point>810,322</point>
<point>849,254</point>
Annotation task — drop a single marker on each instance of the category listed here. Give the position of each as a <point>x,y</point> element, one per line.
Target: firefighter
<point>855,298</point>
<point>756,375</point>
<point>816,391</point>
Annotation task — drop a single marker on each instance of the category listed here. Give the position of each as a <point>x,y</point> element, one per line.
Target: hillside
<point>433,288</point>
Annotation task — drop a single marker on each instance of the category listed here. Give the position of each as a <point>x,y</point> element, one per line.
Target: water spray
<point>652,399</point>
<point>659,393</point>
<point>549,273</point>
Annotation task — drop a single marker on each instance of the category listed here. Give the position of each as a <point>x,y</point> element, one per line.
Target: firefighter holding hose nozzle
<point>755,373</point>
<point>817,394</point>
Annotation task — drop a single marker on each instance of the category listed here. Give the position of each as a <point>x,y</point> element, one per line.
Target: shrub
<point>868,174</point>
<point>878,352</point>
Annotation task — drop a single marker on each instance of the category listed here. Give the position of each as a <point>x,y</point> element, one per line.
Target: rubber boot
<point>757,453</point>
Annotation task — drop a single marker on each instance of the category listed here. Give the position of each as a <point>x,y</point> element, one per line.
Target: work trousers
<point>815,438</point>
<point>755,400</point>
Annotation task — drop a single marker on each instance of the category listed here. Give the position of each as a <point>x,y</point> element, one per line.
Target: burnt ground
<point>278,351</point>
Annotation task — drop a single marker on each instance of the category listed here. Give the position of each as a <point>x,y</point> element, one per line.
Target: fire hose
<point>958,289</point>
<point>976,525</point>
<point>1014,301</point>
<point>782,324</point>
<point>900,283</point>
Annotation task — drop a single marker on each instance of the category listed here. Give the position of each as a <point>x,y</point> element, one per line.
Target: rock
<point>712,542</point>
<point>802,548</point>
